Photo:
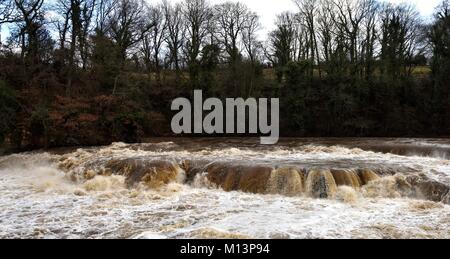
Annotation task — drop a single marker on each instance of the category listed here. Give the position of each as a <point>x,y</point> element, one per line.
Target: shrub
<point>8,109</point>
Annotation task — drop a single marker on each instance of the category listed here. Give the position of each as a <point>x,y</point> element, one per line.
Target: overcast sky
<point>268,9</point>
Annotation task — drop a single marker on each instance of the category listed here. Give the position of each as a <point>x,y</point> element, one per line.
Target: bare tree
<point>231,18</point>
<point>307,16</point>
<point>62,23</point>
<point>253,47</point>
<point>127,25</point>
<point>175,33</point>
<point>6,14</point>
<point>370,36</point>
<point>154,38</point>
<point>281,42</point>
<point>325,30</point>
<point>250,30</point>
<point>75,22</point>
<point>87,15</point>
<point>399,39</point>
<point>350,15</point>
<point>439,39</point>
<point>103,11</point>
<point>197,15</point>
<point>30,20</point>
<point>6,11</point>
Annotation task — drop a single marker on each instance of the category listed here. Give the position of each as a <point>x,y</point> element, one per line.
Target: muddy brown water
<point>213,188</point>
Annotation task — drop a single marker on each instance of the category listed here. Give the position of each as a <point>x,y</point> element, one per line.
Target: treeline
<point>88,72</point>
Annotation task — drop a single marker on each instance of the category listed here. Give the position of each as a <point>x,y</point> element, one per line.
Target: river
<point>230,188</point>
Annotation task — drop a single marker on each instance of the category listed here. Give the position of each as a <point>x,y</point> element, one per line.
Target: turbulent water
<point>230,188</point>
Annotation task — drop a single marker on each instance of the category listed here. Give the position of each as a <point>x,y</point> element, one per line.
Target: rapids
<point>230,188</point>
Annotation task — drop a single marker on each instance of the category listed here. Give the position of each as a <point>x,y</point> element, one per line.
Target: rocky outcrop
<point>429,189</point>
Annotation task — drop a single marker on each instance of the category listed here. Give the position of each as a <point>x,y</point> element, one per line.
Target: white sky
<point>268,9</point>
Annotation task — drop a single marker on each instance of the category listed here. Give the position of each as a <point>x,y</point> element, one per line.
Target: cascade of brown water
<point>192,168</point>
<point>320,184</point>
<point>346,177</point>
<point>252,179</point>
<point>152,173</point>
<point>266,178</point>
<point>367,175</point>
<point>285,181</point>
